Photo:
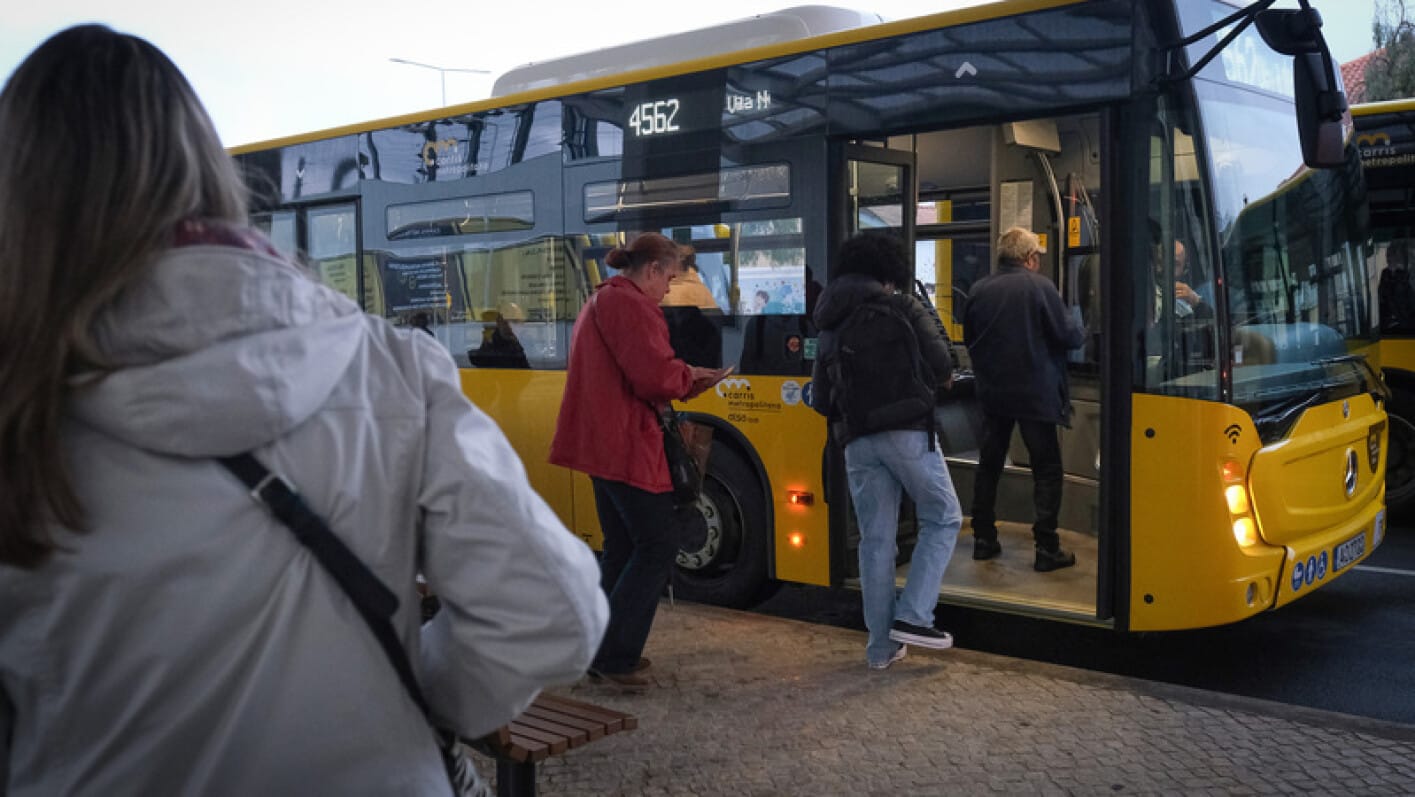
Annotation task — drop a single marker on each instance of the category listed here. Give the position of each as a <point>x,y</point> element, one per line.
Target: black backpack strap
<point>374,601</point>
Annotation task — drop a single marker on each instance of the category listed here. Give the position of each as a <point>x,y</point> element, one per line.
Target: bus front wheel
<point>726,563</point>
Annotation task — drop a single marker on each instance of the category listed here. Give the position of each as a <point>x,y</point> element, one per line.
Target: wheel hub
<point>703,556</point>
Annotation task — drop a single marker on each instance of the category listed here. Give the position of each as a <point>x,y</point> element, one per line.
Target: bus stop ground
<point>757,706</point>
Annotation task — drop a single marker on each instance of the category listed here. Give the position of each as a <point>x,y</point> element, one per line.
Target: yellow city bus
<point>1219,464</point>
<point>1385,137</point>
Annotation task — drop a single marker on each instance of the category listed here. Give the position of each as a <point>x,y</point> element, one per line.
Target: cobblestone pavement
<point>760,706</point>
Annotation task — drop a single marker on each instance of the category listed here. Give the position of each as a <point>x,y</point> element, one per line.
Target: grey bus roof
<point>757,31</point>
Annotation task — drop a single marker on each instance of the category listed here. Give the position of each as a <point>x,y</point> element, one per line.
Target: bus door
<point>973,183</point>
<point>1044,175</point>
<point>879,191</point>
<point>874,189</point>
<point>326,238</point>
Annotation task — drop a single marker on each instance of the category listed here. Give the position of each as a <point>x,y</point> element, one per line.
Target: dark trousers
<point>1044,447</point>
<point>638,557</point>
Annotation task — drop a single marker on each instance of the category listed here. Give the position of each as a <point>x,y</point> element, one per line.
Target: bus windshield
<point>1292,242</point>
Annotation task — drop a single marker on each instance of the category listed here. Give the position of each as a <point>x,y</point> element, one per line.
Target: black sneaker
<point>986,549</point>
<point>1048,561</point>
<point>921,635</point>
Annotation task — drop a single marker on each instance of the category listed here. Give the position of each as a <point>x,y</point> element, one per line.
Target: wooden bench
<point>549,727</point>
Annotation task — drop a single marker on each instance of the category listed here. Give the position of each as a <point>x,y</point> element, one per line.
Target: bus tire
<point>1400,453</point>
<point>726,563</point>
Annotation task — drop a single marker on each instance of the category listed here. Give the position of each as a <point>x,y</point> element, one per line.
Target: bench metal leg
<point>515,779</point>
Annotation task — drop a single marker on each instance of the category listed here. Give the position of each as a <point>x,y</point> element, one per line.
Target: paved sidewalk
<point>756,706</point>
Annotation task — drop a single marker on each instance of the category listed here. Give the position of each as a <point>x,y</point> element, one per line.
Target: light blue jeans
<point>879,466</point>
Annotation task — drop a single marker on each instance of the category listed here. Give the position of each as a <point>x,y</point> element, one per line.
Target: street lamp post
<point>441,71</point>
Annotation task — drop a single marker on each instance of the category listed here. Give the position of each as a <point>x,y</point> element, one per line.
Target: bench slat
<point>552,725</point>
<point>556,743</point>
<point>614,721</point>
<point>524,748</point>
<point>594,728</point>
<point>574,737</point>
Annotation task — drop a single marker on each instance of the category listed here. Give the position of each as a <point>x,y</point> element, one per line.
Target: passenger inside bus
<point>1190,300</point>
<point>1179,318</point>
<point>694,319</point>
<point>1397,294</point>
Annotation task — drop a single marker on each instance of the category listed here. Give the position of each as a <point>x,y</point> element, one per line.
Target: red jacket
<point>620,362</point>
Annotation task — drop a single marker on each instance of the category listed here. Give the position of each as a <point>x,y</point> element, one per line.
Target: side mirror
<point>1321,105</point>
<point>1320,112</point>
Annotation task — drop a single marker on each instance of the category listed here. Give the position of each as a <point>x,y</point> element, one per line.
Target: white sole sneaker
<point>930,638</point>
<point>899,654</point>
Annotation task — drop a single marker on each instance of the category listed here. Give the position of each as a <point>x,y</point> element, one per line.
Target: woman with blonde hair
<point>162,633</point>
<point>622,369</point>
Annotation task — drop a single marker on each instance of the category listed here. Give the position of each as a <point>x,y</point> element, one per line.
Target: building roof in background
<point>1353,76</point>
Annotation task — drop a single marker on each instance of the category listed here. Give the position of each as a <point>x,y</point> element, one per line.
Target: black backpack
<point>881,380</point>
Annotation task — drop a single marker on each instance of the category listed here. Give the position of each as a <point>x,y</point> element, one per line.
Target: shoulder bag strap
<point>374,601</point>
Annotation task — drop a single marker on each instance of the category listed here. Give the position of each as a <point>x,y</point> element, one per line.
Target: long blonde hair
<point>107,149</point>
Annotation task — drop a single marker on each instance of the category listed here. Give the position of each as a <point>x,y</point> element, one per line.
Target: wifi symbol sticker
<point>1232,432</point>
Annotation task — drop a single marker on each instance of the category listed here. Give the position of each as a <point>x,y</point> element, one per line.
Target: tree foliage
<point>1390,73</point>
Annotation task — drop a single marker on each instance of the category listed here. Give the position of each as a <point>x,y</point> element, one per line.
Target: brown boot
<point>624,680</point>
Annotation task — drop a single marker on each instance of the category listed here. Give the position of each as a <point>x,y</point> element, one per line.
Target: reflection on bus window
<point>332,248</point>
<point>460,147</point>
<point>469,215</point>
<point>280,228</point>
<point>1396,288</point>
<point>1293,249</point>
<point>506,305</point>
<point>736,188</point>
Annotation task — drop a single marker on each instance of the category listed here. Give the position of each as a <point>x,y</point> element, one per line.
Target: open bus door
<point>879,191</point>
<point>1041,174</point>
<point>872,189</point>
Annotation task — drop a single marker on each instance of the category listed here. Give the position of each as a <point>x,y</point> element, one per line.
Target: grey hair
<point>1017,243</point>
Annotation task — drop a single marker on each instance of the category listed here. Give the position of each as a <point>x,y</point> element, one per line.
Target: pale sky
<point>271,68</point>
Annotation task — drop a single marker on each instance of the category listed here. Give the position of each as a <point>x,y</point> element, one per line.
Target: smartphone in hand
<point>704,378</point>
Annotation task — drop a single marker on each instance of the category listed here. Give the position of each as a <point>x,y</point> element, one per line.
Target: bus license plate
<point>1349,551</point>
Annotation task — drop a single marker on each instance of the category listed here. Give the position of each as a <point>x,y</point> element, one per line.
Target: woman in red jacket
<point>621,369</point>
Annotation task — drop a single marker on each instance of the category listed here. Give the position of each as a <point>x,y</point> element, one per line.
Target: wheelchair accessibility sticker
<point>791,392</point>
<point>1305,574</point>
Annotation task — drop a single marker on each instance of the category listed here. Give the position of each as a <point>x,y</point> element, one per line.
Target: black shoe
<point>1048,561</point>
<point>986,549</point>
<point>921,635</point>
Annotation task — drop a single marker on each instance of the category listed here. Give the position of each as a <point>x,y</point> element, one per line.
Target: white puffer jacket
<point>188,644</point>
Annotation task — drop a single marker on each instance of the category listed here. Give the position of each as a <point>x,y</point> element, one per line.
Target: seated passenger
<point>694,319</point>
<point>688,289</point>
<point>499,346</point>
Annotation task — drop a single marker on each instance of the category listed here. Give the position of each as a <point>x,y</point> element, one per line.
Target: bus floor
<point>1009,583</point>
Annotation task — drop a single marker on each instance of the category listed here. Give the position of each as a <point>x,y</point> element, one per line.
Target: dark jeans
<point>1044,447</point>
<point>639,550</point>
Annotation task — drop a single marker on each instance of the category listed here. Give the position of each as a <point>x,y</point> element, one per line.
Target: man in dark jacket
<point>881,462</point>
<point>1018,332</point>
